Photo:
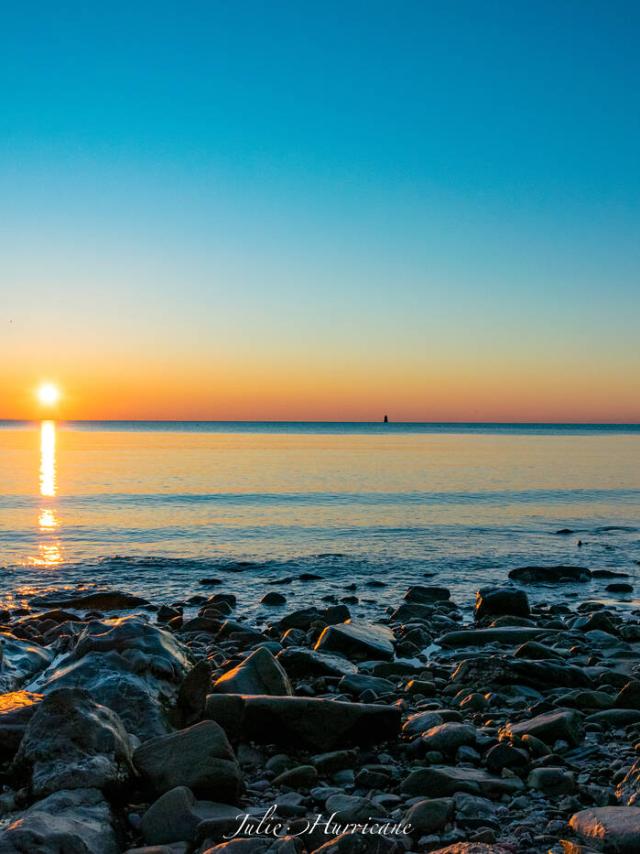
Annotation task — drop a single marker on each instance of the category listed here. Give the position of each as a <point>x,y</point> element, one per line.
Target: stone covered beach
<point>509,726</point>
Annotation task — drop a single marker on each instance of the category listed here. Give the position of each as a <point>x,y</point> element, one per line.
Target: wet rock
<point>537,652</point>
<point>448,737</point>
<point>504,755</point>
<point>356,683</point>
<point>610,829</point>
<point>16,710</point>
<point>72,742</point>
<point>301,619</point>
<point>357,641</point>
<point>629,696</point>
<point>479,637</point>
<point>72,822</point>
<point>192,694</point>
<point>101,600</point>
<point>549,727</point>
<point>498,601</point>
<point>177,816</point>
<point>550,574</point>
<point>199,757</point>
<point>274,598</point>
<point>552,781</point>
<point>20,660</point>
<point>411,612</point>
<point>298,662</point>
<point>128,665</point>
<point>619,587</point>
<point>307,722</point>
<point>430,815</point>
<point>425,595</point>
<point>614,717</point>
<point>259,673</point>
<point>503,670</point>
<point>441,780</point>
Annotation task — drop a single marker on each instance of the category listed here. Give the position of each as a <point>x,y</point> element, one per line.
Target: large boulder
<point>611,829</point>
<point>304,722</point>
<point>442,780</point>
<point>20,661</point>
<point>72,742</point>
<point>199,757</point>
<point>550,574</point>
<point>128,665</point>
<point>67,822</point>
<point>259,673</point>
<point>16,710</point>
<point>357,641</point>
<point>501,601</point>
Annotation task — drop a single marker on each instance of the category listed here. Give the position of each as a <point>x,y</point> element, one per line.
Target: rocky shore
<point>186,727</point>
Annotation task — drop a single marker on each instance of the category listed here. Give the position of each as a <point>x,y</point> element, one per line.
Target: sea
<point>177,510</point>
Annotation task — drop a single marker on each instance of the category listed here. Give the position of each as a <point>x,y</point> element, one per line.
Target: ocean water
<point>154,507</point>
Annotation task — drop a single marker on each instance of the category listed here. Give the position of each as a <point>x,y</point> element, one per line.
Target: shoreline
<point>511,727</point>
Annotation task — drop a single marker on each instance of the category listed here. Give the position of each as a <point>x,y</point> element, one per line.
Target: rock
<point>20,661</point>
<point>177,816</point>
<point>425,595</point>
<point>629,696</point>
<point>615,717</point>
<point>101,600</point>
<point>448,737</point>
<point>192,694</point>
<point>357,641</point>
<point>497,601</point>
<point>612,829</point>
<point>619,587</point>
<point>199,757</point>
<point>356,683</point>
<point>411,612</point>
<point>301,619</point>
<point>503,670</point>
<point>359,843</point>
<point>430,815</point>
<point>16,710</point>
<point>537,652</point>
<point>473,811</point>
<point>550,574</point>
<point>439,780</point>
<point>273,598</point>
<point>300,777</point>
<point>73,742</point>
<point>552,781</point>
<point>350,809</point>
<point>421,722</point>
<point>66,822</point>
<point>259,673</point>
<point>549,727</point>
<point>336,760</point>
<point>299,662</point>
<point>504,755</point>
<point>473,848</point>
<point>128,665</point>
<point>307,722</point>
<point>480,637</point>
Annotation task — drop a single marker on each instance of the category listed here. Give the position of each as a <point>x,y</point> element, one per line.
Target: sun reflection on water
<point>49,550</point>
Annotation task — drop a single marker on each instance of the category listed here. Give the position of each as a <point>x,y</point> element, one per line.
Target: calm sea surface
<point>153,507</point>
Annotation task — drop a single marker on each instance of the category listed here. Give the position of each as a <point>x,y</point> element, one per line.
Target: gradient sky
<point>335,210</point>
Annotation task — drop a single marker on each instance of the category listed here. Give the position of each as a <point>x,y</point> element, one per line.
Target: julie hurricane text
<point>268,825</point>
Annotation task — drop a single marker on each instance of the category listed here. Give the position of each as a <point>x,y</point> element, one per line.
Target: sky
<point>321,210</point>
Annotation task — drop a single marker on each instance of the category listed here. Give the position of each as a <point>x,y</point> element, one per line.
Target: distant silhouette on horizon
<point>386,419</point>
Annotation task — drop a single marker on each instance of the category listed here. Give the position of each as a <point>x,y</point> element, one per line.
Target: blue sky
<point>322,205</point>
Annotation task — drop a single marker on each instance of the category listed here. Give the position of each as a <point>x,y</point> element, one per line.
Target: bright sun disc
<point>48,394</point>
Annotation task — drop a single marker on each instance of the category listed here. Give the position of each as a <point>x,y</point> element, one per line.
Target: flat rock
<point>504,670</point>
<point>177,815</point>
<point>448,737</point>
<point>259,673</point>
<point>512,635</point>
<point>199,757</point>
<point>72,742</point>
<point>100,600</point>
<point>357,641</point>
<point>548,727</point>
<point>73,822</point>
<point>424,595</point>
<point>442,780</point>
<point>356,683</point>
<point>315,722</point>
<point>550,574</point>
<point>299,662</point>
<point>610,829</point>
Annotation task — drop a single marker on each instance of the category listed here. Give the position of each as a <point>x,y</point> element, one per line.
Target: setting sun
<point>48,394</point>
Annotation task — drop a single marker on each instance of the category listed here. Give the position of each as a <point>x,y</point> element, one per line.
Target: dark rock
<point>192,694</point>
<point>552,781</point>
<point>629,696</point>
<point>480,637</point>
<point>615,717</point>
<point>199,757</point>
<point>177,816</point>
<point>497,601</point>
<point>21,660</point>
<point>439,780</point>
<point>426,595</point>
<point>504,755</point>
<point>301,619</point>
<point>548,727</point>
<point>299,662</point>
<point>73,742</point>
<point>446,738</point>
<point>16,710</point>
<point>503,670</point>
<point>614,829</point>
<point>619,587</point>
<point>66,822</point>
<point>430,815</point>
<point>273,598</point>
<point>307,722</point>
<point>550,574</point>
<point>357,641</point>
<point>102,600</point>
<point>356,683</point>
<point>259,673</point>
